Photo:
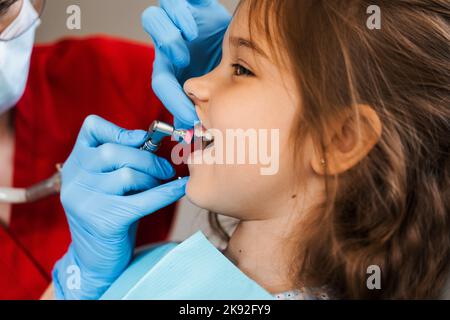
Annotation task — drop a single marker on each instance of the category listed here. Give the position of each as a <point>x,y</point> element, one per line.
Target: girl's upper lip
<point>201,118</point>
<point>201,128</point>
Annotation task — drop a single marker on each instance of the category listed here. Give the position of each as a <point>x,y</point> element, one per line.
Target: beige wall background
<point>120,18</point>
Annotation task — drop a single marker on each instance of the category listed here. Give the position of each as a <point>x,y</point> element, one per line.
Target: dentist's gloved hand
<point>108,184</point>
<point>188,38</point>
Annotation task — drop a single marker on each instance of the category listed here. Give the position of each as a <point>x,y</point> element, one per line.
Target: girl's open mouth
<point>207,139</point>
<point>208,144</point>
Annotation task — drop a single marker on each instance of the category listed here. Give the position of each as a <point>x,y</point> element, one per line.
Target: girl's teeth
<point>201,132</point>
<point>198,132</point>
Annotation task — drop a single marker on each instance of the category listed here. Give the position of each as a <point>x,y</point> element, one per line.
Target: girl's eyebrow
<point>241,42</point>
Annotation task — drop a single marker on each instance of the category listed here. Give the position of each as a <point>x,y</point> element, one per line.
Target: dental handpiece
<point>159,130</point>
<point>51,186</point>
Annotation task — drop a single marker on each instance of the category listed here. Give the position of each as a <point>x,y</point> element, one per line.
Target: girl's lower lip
<point>199,153</point>
<point>207,144</point>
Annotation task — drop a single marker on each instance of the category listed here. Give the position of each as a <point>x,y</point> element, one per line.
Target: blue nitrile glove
<point>187,35</point>
<point>108,184</point>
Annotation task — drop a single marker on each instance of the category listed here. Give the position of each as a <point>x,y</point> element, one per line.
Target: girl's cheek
<point>236,109</point>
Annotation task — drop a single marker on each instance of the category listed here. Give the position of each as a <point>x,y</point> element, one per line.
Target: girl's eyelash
<point>239,71</point>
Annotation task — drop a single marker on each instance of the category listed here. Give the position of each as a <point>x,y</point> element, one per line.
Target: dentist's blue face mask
<point>15,56</point>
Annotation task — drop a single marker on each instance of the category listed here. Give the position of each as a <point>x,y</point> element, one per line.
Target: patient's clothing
<point>304,294</point>
<point>192,270</point>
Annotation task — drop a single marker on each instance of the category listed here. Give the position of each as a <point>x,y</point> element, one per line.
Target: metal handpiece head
<point>160,130</point>
<point>156,133</point>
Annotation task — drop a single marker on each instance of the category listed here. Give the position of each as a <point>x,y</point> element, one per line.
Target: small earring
<point>323,162</point>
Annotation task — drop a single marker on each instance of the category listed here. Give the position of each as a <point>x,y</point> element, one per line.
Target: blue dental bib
<point>192,270</point>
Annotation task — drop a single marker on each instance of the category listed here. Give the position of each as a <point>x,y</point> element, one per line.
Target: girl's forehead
<point>240,24</point>
<point>242,33</point>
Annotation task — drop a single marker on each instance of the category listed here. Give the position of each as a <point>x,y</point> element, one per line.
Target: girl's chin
<point>196,194</point>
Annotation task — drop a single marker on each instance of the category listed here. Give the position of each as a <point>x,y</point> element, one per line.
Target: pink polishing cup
<point>189,136</point>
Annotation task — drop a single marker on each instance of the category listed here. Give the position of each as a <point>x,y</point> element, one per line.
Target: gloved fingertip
<point>182,61</point>
<point>179,185</point>
<point>171,171</point>
<point>191,119</point>
<point>188,118</point>
<point>182,182</point>
<point>186,124</point>
<point>167,168</point>
<point>148,15</point>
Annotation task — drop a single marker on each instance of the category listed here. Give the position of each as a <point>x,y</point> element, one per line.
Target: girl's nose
<point>198,91</point>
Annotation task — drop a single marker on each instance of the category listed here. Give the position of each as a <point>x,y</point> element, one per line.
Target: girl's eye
<point>239,70</point>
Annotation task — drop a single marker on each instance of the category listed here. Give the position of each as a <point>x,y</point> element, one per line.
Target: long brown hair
<point>392,209</point>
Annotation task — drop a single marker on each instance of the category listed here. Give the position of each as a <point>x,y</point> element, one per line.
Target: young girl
<point>359,206</point>
<point>364,123</point>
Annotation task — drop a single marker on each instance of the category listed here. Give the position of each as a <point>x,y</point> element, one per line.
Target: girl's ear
<point>349,140</point>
